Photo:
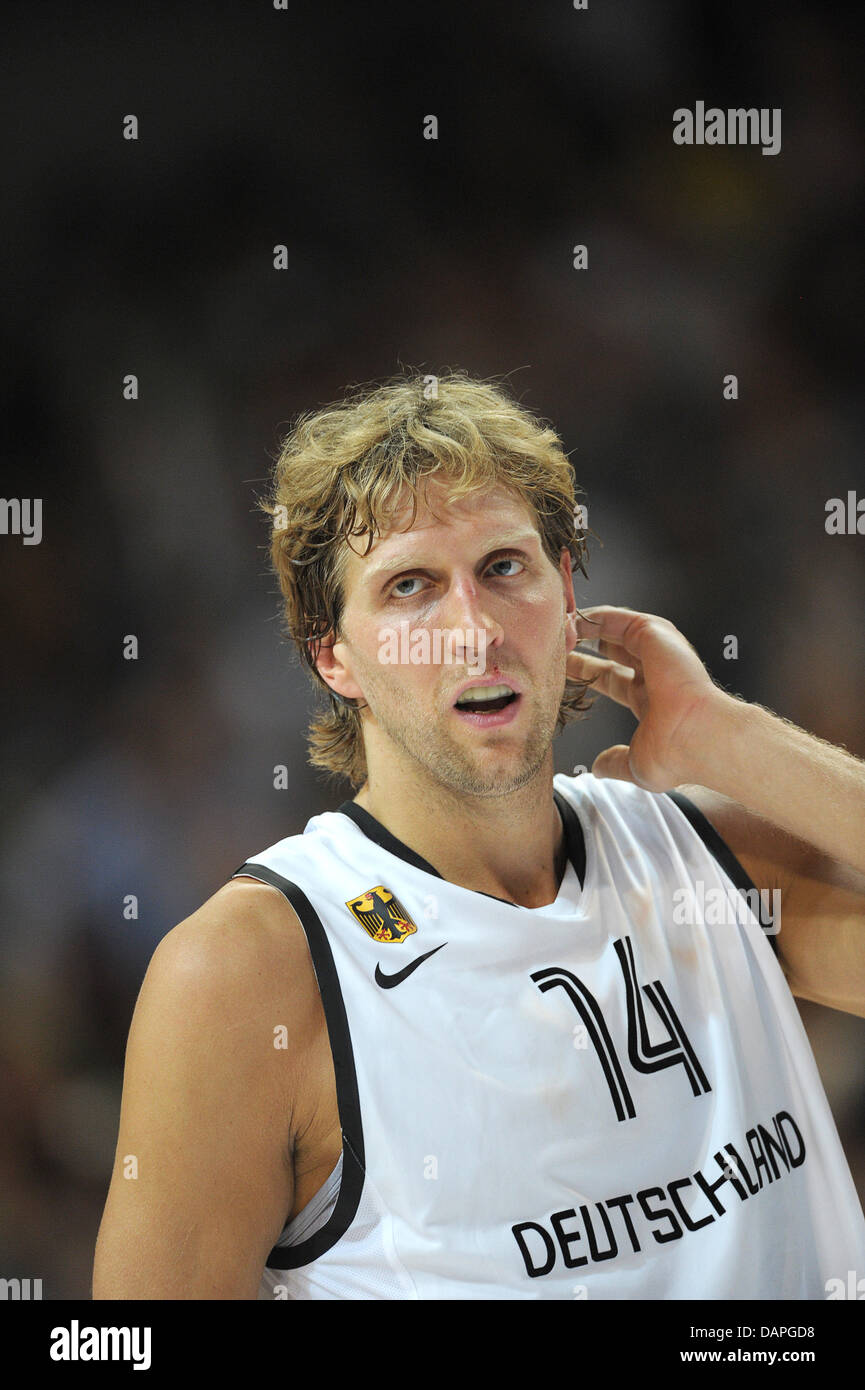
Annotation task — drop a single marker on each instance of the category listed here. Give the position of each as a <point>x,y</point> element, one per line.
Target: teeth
<point>484,692</point>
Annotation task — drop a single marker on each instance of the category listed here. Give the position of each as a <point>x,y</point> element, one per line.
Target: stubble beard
<point>450,764</point>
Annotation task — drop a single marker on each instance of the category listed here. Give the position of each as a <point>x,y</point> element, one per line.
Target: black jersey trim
<point>726,858</point>
<point>575,839</point>
<point>348,1100</point>
<point>375,831</point>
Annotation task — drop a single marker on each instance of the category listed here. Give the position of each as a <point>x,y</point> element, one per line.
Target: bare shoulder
<point>242,934</point>
<point>214,1095</point>
<point>822,902</point>
<point>242,956</point>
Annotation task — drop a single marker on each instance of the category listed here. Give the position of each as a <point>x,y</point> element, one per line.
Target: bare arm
<point>203,1176</point>
<point>692,731</point>
<point>790,806</point>
<point>821,941</point>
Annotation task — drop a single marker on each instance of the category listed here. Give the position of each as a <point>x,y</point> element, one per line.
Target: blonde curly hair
<point>343,470</point>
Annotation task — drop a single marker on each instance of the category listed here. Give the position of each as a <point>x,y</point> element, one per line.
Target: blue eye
<point>397,592</point>
<point>410,579</point>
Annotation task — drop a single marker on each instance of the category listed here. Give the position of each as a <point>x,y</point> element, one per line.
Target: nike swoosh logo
<point>388,981</point>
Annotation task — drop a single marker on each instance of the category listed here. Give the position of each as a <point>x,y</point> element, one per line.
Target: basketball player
<point>481,1032</point>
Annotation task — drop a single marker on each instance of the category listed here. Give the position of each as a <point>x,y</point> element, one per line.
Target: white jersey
<point>611,1097</point>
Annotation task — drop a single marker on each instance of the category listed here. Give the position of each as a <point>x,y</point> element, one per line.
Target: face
<point>474,599</point>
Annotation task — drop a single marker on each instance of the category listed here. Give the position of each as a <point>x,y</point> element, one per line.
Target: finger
<point>600,646</point>
<point>614,651</point>
<point>613,680</point>
<point>622,626</point>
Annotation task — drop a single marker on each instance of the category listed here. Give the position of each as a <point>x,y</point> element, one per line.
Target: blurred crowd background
<point>303,127</point>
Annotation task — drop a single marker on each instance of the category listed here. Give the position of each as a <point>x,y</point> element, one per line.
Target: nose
<point>466,611</point>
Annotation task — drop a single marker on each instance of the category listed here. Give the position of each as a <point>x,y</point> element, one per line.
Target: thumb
<point>613,762</point>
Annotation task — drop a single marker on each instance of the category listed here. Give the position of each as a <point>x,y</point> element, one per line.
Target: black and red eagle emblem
<point>382,915</point>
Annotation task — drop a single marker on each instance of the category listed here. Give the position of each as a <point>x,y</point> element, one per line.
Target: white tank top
<point>607,1097</point>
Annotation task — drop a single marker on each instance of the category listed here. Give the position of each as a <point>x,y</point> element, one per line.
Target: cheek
<point>544,603</point>
<point>537,621</point>
<point>393,657</point>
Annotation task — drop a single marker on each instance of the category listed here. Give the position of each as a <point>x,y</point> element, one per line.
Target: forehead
<point>490,519</point>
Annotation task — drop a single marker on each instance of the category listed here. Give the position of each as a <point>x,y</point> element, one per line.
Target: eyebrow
<point>412,562</point>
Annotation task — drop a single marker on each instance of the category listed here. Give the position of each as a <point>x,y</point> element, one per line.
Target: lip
<point>489,680</point>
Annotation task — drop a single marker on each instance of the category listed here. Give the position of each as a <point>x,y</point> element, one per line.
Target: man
<point>481,1034</point>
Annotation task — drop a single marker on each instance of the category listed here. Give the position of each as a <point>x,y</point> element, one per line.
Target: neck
<point>511,846</point>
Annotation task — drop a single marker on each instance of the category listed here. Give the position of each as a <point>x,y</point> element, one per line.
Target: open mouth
<point>486,706</point>
<point>493,704</point>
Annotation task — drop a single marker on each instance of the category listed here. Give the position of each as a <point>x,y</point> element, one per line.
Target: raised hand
<point>646,664</point>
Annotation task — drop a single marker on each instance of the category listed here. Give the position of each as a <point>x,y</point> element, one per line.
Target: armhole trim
<point>729,863</point>
<point>348,1100</point>
<point>574,837</point>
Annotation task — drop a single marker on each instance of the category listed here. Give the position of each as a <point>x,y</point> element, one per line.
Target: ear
<point>333,663</point>
<point>571,635</point>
